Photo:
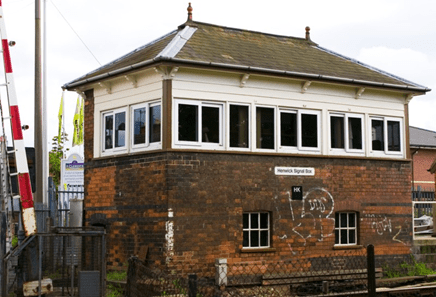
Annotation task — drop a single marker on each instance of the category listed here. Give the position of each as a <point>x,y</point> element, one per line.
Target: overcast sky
<point>396,36</point>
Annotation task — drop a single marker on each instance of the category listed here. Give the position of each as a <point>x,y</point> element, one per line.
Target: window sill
<point>258,250</point>
<point>348,247</point>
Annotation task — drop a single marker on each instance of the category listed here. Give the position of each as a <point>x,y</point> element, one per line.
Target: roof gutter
<point>72,85</point>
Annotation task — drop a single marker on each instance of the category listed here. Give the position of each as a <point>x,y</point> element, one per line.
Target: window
<point>265,128</point>
<point>256,230</point>
<point>239,126</point>
<point>299,130</point>
<point>199,123</point>
<point>146,124</point>
<point>386,134</point>
<point>114,127</point>
<point>346,132</point>
<point>346,228</point>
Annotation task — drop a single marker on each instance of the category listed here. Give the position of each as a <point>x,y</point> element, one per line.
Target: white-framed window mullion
<point>301,131</point>
<point>349,135</point>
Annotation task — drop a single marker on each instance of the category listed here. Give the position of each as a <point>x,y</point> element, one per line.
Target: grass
<point>408,269</point>
<point>115,290</point>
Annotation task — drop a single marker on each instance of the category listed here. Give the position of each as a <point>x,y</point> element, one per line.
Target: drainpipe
<point>413,169</point>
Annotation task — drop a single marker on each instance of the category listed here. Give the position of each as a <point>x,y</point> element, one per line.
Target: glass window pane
<point>210,124</point>
<point>343,220</point>
<point>288,129</point>
<point>245,220</point>
<point>337,236</point>
<point>245,239</point>
<point>254,238</point>
<point>120,129</point>
<point>344,236</point>
<point>265,128</point>
<point>394,136</point>
<point>337,220</point>
<point>355,133</point>
<point>254,221</point>
<point>264,238</point>
<point>108,131</point>
<point>352,220</point>
<point>352,238</point>
<point>188,122</point>
<point>239,126</point>
<point>155,123</point>
<point>337,132</point>
<point>309,130</point>
<point>377,135</point>
<point>264,220</point>
<point>139,125</point>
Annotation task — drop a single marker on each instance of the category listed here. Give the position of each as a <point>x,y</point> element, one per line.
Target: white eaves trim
<point>173,48</point>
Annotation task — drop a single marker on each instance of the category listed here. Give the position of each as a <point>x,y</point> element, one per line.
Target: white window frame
<point>114,150</point>
<point>347,228</point>
<point>259,230</point>
<point>386,151</point>
<point>299,147</point>
<point>347,148</point>
<point>147,145</point>
<point>199,143</point>
<point>250,128</point>
<point>254,130</point>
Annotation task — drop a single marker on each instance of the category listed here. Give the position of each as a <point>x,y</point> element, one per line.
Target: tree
<point>55,156</point>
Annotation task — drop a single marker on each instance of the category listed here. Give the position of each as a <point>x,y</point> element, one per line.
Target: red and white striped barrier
<point>25,189</point>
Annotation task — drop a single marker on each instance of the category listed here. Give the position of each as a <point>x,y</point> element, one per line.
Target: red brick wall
<point>422,161</point>
<point>209,192</point>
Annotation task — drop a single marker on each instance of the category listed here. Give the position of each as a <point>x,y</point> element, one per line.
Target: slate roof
<point>209,45</point>
<point>422,138</point>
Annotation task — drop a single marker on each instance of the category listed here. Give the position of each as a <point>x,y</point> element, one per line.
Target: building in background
<point>423,152</point>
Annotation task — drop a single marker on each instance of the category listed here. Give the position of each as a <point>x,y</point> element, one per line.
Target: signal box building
<point>214,142</point>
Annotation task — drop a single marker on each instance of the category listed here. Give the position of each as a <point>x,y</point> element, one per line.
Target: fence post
<point>131,277</point>
<point>192,285</point>
<point>371,271</point>
<point>221,272</point>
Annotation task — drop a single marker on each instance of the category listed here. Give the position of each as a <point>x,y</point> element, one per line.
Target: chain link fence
<point>344,273</point>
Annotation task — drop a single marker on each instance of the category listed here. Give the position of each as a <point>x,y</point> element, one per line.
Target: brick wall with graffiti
<point>189,208</point>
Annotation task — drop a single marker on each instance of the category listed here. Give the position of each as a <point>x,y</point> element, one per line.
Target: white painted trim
<point>114,150</point>
<point>199,144</point>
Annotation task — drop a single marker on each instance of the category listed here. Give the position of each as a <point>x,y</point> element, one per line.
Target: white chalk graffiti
<point>316,207</point>
<point>379,223</point>
<point>169,236</point>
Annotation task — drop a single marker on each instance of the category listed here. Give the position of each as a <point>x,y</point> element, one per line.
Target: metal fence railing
<point>61,203</point>
<point>344,273</point>
<point>423,201</point>
<point>71,262</point>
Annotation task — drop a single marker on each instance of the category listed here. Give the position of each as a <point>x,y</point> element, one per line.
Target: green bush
<point>413,268</point>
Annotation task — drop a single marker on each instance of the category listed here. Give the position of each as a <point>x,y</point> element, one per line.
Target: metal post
<point>103,265</point>
<point>371,271</point>
<point>40,265</point>
<point>21,257</point>
<point>39,116</point>
<point>192,285</point>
